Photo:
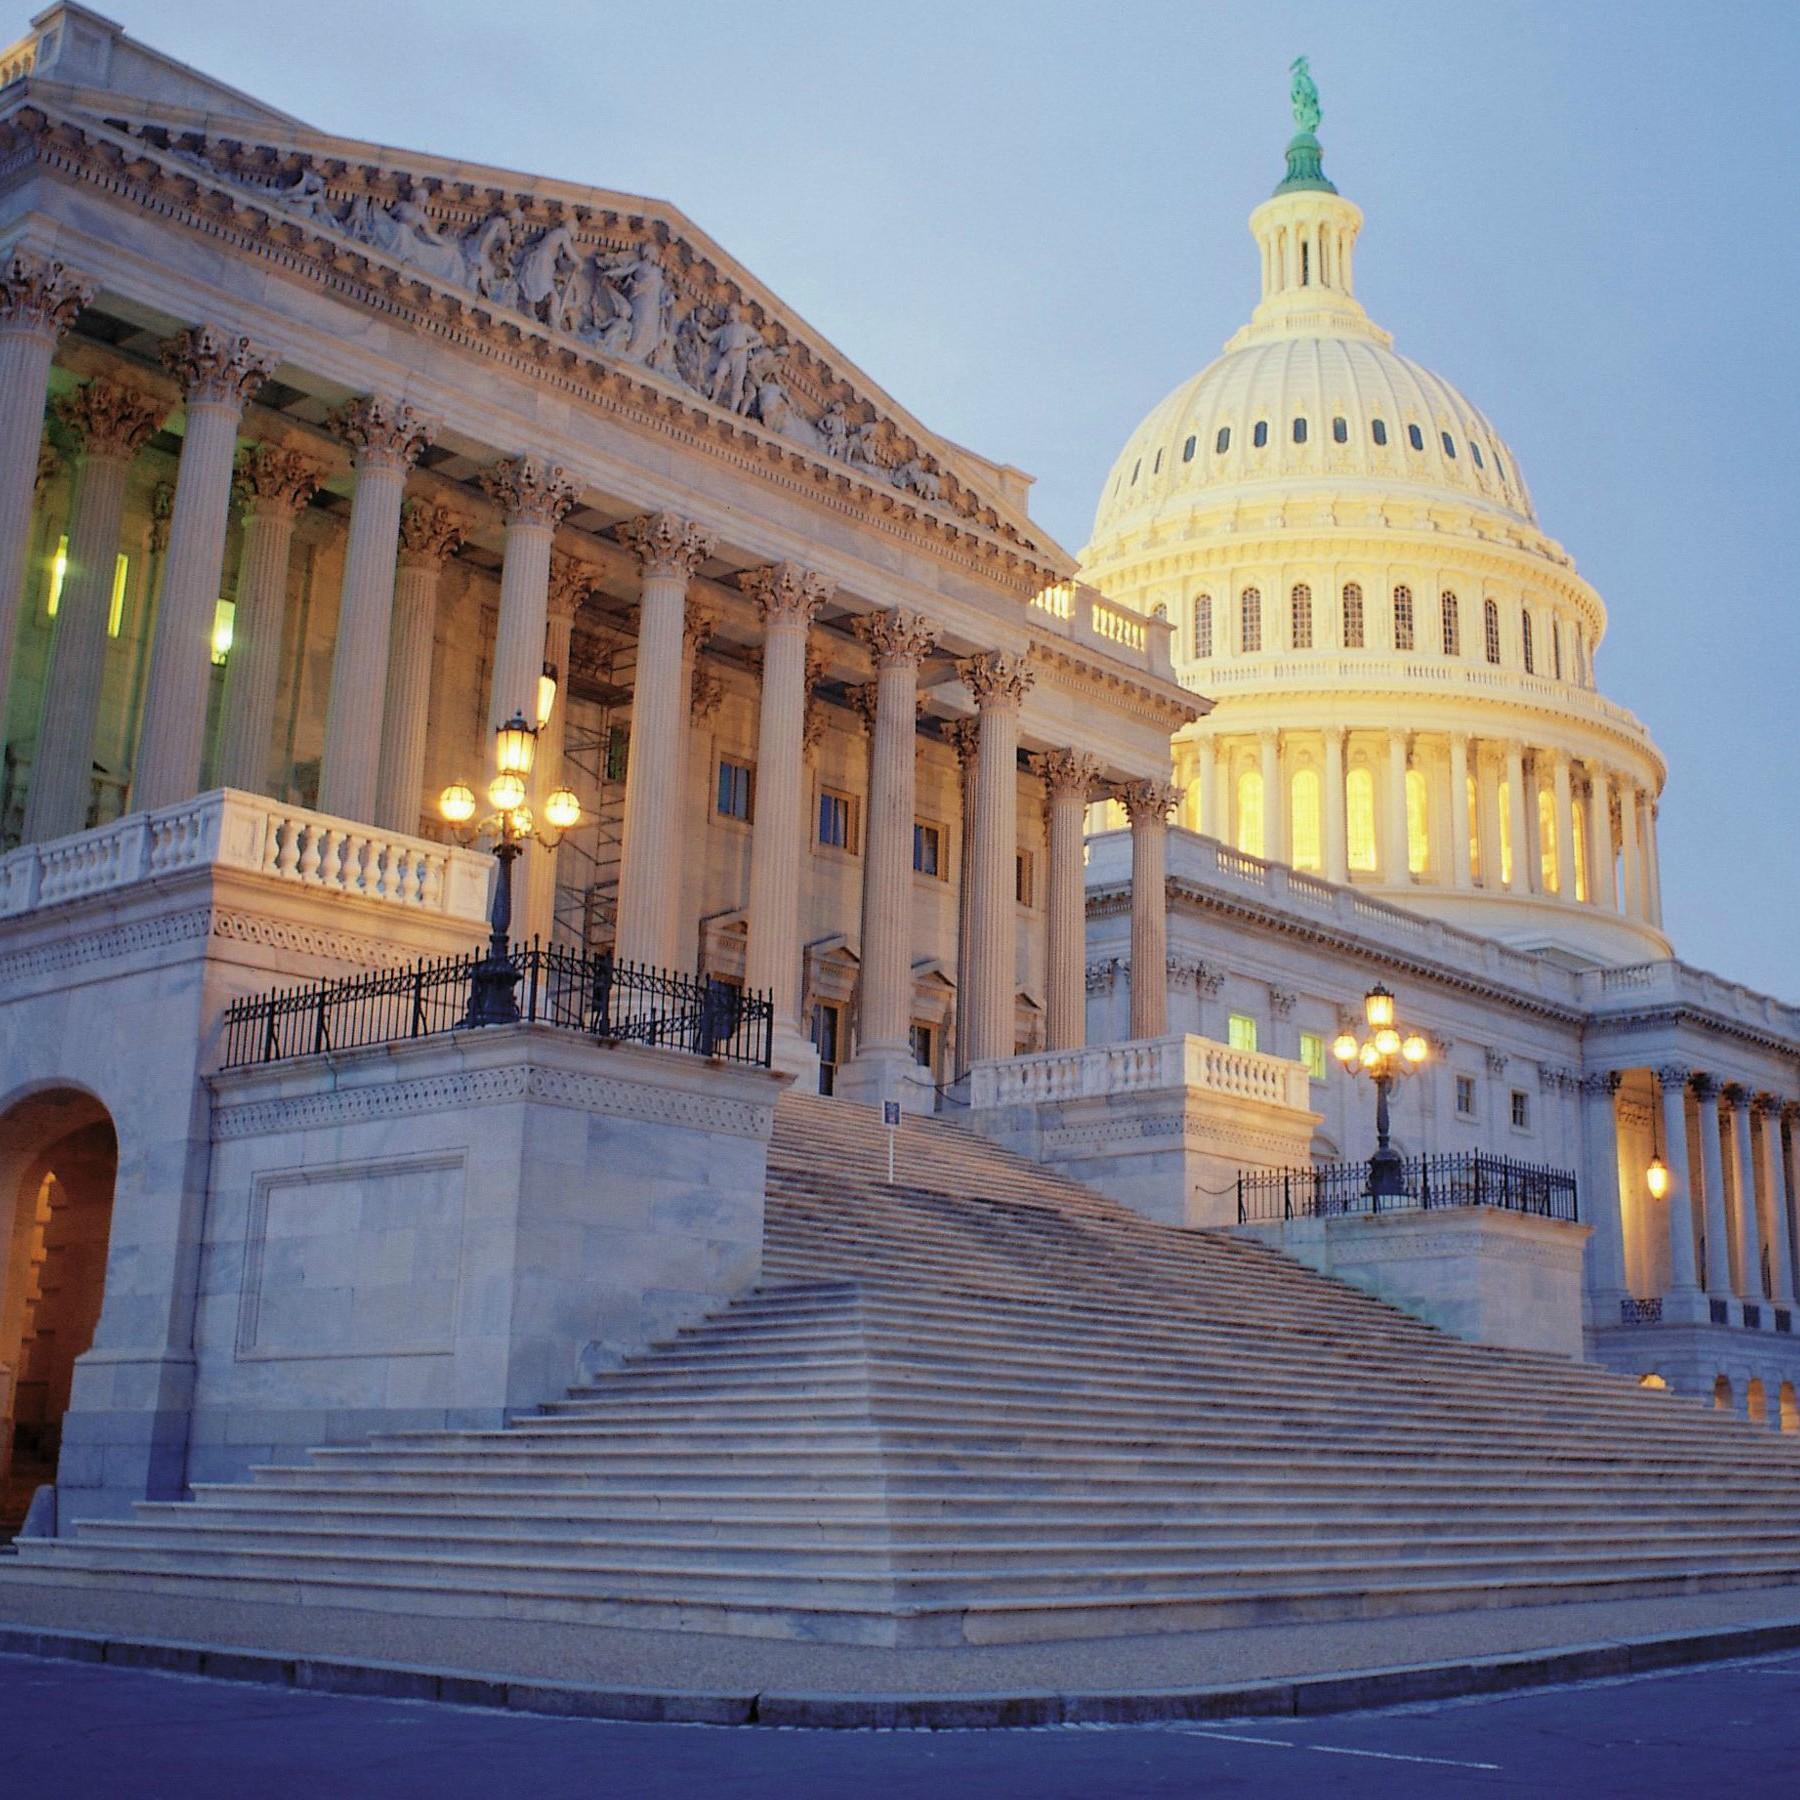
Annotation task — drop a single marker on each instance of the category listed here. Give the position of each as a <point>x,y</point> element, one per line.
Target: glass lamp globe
<point>506,792</point>
<point>1414,1050</point>
<point>1368,1056</point>
<point>515,745</point>
<point>1387,1041</point>
<point>562,810</point>
<point>456,803</point>
<point>1344,1048</point>
<point>1378,1007</point>
<point>1656,1178</point>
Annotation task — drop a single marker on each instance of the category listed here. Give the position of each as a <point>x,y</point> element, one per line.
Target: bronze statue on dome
<point>1305,96</point>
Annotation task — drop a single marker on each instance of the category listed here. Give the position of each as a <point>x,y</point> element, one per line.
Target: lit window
<point>1353,616</point>
<point>734,790</point>
<point>1359,818</point>
<point>1187,450</point>
<point>1546,810</point>
<point>1521,1110</point>
<point>1580,812</point>
<point>224,626</point>
<point>1022,877</point>
<point>1475,451</point>
<point>1250,620</point>
<point>1418,824</point>
<point>1304,820</point>
<point>1240,1031</point>
<point>1340,430</point>
<point>1222,442</point>
<point>1490,629</point>
<point>1415,437</point>
<point>837,820</point>
<point>115,611</point>
<point>1506,843</point>
<point>1312,1053</point>
<point>1299,431</point>
<point>1378,430</point>
<point>1203,625</point>
<point>1403,618</point>
<point>1301,608</point>
<point>1449,445</point>
<point>928,849</point>
<point>1465,1096</point>
<point>1556,648</point>
<point>1250,813</point>
<point>1260,436</point>
<point>1525,640</point>
<point>59,569</point>
<point>1473,803</point>
<point>1452,623</point>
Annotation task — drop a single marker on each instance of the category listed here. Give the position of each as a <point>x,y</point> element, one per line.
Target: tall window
<point>1490,630</point>
<point>1581,850</point>
<point>1304,820</point>
<point>1418,824</point>
<point>1187,451</point>
<point>1452,614</point>
<point>1415,437</point>
<point>734,789</point>
<point>1340,430</point>
<point>1359,818</point>
<point>1353,616</point>
<point>1546,823</point>
<point>1250,620</point>
<point>1299,431</point>
<point>1301,606</point>
<point>1378,430</point>
<point>1222,442</point>
<point>1525,640</point>
<point>1240,1031</point>
<point>1250,813</point>
<point>1473,804</point>
<point>928,849</point>
<point>1203,625</point>
<point>1506,843</point>
<point>1556,648</point>
<point>1260,436</point>
<point>837,820</point>
<point>1403,618</point>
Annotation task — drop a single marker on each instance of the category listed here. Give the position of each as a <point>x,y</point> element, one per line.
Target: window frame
<point>1233,1021</point>
<point>1490,630</point>
<point>1359,639</point>
<point>825,794</point>
<point>1464,1087</point>
<point>1450,620</point>
<point>932,828</point>
<point>1300,615</point>
<point>740,766</point>
<point>1250,614</point>
<point>1406,635</point>
<point>1312,1054</point>
<point>1203,637</point>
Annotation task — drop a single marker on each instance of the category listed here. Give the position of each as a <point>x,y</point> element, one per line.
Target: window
<point>1580,812</point>
<point>1340,430</point>
<point>1304,825</point>
<point>1300,606</point>
<point>1187,450</point>
<point>1525,640</point>
<point>1449,445</point>
<point>1521,1110</point>
<point>1378,430</point>
<point>224,628</point>
<point>1500,468</point>
<point>1022,877</point>
<point>1305,264</point>
<point>1250,620</point>
<point>1506,833</point>
<point>59,571</point>
<point>1312,1053</point>
<point>828,1040</point>
<point>618,751</point>
<point>1556,648</point>
<point>1222,442</point>
<point>928,849</point>
<point>1546,822</point>
<point>1156,467</point>
<point>1359,818</point>
<point>1475,451</point>
<point>734,789</point>
<point>923,1039</point>
<point>115,610</point>
<point>1353,616</point>
<point>1240,1031</point>
<point>1403,618</point>
<point>837,820</point>
<point>1473,804</point>
<point>1260,436</point>
<point>1250,813</point>
<point>1490,629</point>
<point>1299,431</point>
<point>1447,604</point>
<point>1203,625</point>
<point>1465,1096</point>
<point>1136,470</point>
<point>1415,437</point>
<point>1418,823</point>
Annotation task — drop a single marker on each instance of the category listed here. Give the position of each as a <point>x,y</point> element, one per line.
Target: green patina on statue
<point>1305,159</point>
<point>1306,96</point>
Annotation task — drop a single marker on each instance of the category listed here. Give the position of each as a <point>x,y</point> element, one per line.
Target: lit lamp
<point>491,997</point>
<point>1384,1056</point>
<point>546,695</point>
<point>1656,1177</point>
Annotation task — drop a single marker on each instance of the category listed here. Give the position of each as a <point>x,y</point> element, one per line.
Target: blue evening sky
<point>1027,222</point>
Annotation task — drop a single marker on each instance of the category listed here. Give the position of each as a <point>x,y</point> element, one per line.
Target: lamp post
<point>491,997</point>
<point>1384,1056</point>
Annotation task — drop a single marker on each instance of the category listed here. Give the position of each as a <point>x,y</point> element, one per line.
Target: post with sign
<point>890,1117</point>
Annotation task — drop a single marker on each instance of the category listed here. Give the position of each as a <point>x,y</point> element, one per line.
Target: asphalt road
<point>68,1729</point>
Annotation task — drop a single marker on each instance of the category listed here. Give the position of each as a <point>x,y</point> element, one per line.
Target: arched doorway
<point>1722,1400</point>
<point>58,1159</point>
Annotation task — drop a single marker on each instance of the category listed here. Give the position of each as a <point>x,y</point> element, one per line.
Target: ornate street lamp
<point>491,997</point>
<point>1384,1056</point>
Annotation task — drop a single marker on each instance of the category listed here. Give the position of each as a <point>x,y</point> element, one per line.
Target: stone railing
<point>1105,1070</point>
<point>1671,983</point>
<point>1074,610</point>
<point>232,830</point>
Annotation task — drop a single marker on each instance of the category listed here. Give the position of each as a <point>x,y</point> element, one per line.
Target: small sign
<point>890,1113</point>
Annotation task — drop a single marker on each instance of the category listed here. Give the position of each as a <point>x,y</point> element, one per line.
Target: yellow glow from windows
<point>1474,804</point>
<point>59,573</point>
<point>115,610</point>
<point>1506,843</point>
<point>1651,1381</point>
<point>1312,1053</point>
<point>1359,818</point>
<point>1240,1031</point>
<point>224,623</point>
<point>1581,850</point>
<point>59,567</point>
<point>1304,821</point>
<point>1547,841</point>
<point>1250,813</point>
<point>1418,824</point>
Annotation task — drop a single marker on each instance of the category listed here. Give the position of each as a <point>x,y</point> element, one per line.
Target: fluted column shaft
<point>964,737</point>
<point>1069,777</point>
<point>571,581</point>
<point>1712,1176</point>
<point>272,486</point>
<point>1652,864</point>
<point>1460,875</point>
<point>1600,856</point>
<point>534,495</point>
<point>1521,882</point>
<point>1487,807</point>
<point>429,536</point>
<point>1631,901</point>
<point>1337,837</point>
<point>1399,856</point>
<point>39,300</point>
<point>1683,1270</point>
<point>111,423</point>
<point>1781,1251</point>
<point>218,373</point>
<point>1743,1166</point>
<point>788,598</point>
<point>1600,1159</point>
<point>1274,845</point>
<point>999,683</point>
<point>669,551</point>
<point>1565,828</point>
<point>1147,806</point>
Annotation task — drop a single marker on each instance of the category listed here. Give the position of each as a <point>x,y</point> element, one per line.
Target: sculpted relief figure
<point>916,478</point>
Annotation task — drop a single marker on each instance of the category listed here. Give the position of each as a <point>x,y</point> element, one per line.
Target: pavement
<point>77,1730</point>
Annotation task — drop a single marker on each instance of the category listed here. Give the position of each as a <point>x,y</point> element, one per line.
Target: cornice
<point>1062,667</point>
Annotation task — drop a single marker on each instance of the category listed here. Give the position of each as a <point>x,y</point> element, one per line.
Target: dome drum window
<point>1378,430</point>
<point>1475,451</point>
<point>1353,616</point>
<point>1203,626</point>
<point>1222,442</point>
<point>1340,430</point>
<point>1259,437</point>
<point>1415,437</point>
<point>1490,622</point>
<point>1452,619</point>
<point>1525,640</point>
<point>1449,445</point>
<point>1250,621</point>
<point>1187,451</point>
<point>1301,608</point>
<point>1403,618</point>
<point>1299,431</point>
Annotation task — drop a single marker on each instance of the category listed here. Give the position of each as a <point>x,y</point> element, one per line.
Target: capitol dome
<point>1400,660</point>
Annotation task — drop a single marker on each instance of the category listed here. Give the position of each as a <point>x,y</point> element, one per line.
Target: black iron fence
<point>612,1001</point>
<point>1456,1178</point>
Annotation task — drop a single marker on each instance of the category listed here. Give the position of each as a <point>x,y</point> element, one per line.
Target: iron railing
<point>612,1001</point>
<point>1455,1178</point>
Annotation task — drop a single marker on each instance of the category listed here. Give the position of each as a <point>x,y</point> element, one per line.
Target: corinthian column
<point>38,303</point>
<point>1565,827</point>
<point>385,438</point>
<point>571,581</point>
<point>999,683</point>
<point>669,550</point>
<point>1147,806</point>
<point>1337,852</point>
<point>1631,899</point>
<point>218,372</point>
<point>1683,1300</point>
<point>110,424</point>
<point>1515,819</point>
<point>1274,844</point>
<point>535,496</point>
<point>1069,777</point>
<point>1715,1268</point>
<point>1768,1163</point>
<point>788,598</point>
<point>1398,868</point>
<point>429,536</point>
<point>1460,875</point>
<point>964,737</point>
<point>273,485</point>
<point>1743,1169</point>
<point>1600,852</point>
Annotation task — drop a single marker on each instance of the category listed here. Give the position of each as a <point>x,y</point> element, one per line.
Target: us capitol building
<point>364,513</point>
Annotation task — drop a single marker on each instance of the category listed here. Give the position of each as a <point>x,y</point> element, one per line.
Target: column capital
<point>896,639</point>
<point>571,581</point>
<point>1673,1075</point>
<point>1460,737</point>
<point>429,534</point>
<point>1605,1084</point>
<point>38,293</point>
<point>786,593</point>
<point>271,479</point>
<point>997,677</point>
<point>1148,802</point>
<point>109,418</point>
<point>381,433</point>
<point>1734,1097</point>
<point>1065,772</point>
<point>667,544</point>
<point>215,367</point>
<point>1767,1106</point>
<point>698,622</point>
<point>530,489</point>
<point>964,737</point>
<point>1706,1087</point>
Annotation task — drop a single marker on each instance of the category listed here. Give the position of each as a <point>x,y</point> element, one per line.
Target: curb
<point>1296,1697</point>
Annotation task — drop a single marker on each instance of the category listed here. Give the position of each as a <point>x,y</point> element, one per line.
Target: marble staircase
<point>986,1404</point>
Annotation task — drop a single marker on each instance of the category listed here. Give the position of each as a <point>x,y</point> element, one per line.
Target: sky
<point>1027,223</point>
